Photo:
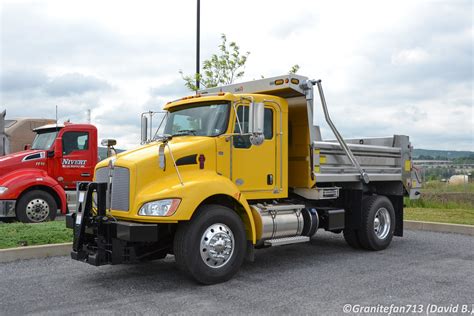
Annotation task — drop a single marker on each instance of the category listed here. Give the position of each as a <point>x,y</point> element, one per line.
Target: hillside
<point>445,154</point>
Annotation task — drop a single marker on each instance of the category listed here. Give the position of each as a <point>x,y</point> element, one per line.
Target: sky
<point>387,67</point>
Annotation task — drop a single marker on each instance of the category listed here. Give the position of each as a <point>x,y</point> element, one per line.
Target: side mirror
<point>108,142</point>
<point>256,123</point>
<point>144,130</point>
<point>58,147</point>
<point>27,147</point>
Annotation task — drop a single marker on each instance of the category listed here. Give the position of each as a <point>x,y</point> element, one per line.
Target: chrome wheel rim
<point>37,210</point>
<point>382,223</point>
<point>217,245</point>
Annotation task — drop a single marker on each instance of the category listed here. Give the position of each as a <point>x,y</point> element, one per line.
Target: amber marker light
<point>279,82</point>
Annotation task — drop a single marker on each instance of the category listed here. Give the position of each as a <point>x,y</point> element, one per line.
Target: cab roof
<point>66,124</point>
<point>212,97</point>
<point>48,126</point>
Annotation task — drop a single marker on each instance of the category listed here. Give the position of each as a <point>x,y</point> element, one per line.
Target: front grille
<point>102,175</point>
<point>120,186</point>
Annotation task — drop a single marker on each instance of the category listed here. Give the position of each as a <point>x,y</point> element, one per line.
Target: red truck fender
<point>19,181</point>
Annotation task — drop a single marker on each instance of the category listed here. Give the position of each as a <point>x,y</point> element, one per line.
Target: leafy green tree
<point>221,69</point>
<point>294,69</point>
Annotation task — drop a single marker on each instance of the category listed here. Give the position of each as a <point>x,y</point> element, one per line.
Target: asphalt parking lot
<point>313,278</point>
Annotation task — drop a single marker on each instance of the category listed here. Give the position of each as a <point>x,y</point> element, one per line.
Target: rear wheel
<point>36,206</point>
<point>378,223</point>
<point>211,247</point>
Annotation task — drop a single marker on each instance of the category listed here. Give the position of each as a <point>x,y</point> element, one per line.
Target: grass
<point>438,186</point>
<point>439,195</point>
<point>443,203</point>
<point>19,234</point>
<point>452,216</point>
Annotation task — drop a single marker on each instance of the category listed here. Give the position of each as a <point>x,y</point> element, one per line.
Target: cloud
<point>18,80</point>
<point>387,67</point>
<point>410,56</point>
<point>174,88</point>
<point>74,84</point>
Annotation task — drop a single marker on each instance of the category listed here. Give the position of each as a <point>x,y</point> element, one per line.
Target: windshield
<point>44,140</point>
<point>202,119</point>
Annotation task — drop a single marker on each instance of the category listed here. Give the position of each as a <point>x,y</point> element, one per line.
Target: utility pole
<point>198,26</point>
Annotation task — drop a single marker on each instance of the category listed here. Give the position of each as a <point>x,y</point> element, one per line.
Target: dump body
<point>314,161</point>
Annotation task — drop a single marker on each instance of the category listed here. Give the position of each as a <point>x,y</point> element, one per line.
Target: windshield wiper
<point>185,132</point>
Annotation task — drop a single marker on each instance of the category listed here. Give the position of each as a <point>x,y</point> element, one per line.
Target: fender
<point>20,180</point>
<point>196,188</point>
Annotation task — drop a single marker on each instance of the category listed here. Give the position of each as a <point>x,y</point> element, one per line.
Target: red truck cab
<point>34,183</point>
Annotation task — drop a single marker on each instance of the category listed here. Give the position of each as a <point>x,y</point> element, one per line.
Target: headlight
<point>159,208</point>
<point>3,190</point>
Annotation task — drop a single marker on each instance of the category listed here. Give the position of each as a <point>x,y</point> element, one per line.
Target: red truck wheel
<point>35,207</point>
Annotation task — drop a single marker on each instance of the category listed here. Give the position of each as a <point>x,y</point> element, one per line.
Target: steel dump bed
<point>383,159</point>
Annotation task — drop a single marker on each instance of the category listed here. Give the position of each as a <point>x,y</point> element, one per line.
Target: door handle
<point>269,179</point>
<point>85,174</point>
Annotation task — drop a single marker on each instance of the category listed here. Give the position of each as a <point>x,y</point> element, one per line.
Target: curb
<point>33,252</point>
<point>440,227</point>
<point>56,250</point>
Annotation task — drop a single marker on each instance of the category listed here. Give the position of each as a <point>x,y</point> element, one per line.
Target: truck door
<point>254,167</point>
<point>77,163</point>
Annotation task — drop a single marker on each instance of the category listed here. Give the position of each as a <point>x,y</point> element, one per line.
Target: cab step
<point>286,241</point>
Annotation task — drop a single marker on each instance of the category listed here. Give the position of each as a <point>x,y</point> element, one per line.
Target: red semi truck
<point>37,183</point>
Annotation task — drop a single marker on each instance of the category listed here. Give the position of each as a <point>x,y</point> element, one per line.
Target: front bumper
<point>7,208</point>
<point>100,239</point>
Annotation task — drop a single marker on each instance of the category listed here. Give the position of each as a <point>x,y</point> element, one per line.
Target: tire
<point>350,235</point>
<point>378,223</point>
<point>36,206</point>
<point>213,229</point>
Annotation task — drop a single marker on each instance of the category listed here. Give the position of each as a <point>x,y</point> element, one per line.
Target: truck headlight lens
<point>159,208</point>
<point>3,190</point>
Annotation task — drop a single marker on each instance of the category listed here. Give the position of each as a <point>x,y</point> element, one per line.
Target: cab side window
<point>73,141</point>
<point>243,118</point>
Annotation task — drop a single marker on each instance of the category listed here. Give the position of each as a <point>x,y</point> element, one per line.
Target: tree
<point>221,69</point>
<point>294,69</point>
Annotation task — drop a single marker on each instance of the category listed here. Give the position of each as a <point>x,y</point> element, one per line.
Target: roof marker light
<point>279,82</point>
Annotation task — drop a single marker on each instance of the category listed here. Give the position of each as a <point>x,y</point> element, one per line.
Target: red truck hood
<point>22,159</point>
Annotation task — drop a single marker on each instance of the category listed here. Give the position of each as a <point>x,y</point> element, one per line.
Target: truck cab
<point>35,183</point>
<point>237,168</point>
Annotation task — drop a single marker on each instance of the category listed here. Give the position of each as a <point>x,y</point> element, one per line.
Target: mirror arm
<point>237,117</point>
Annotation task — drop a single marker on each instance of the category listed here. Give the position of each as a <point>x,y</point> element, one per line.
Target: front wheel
<point>36,206</point>
<point>211,247</point>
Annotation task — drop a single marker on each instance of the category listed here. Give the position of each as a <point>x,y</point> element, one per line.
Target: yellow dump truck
<point>237,168</point>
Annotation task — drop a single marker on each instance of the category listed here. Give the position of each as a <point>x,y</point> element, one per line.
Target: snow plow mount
<point>100,239</point>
